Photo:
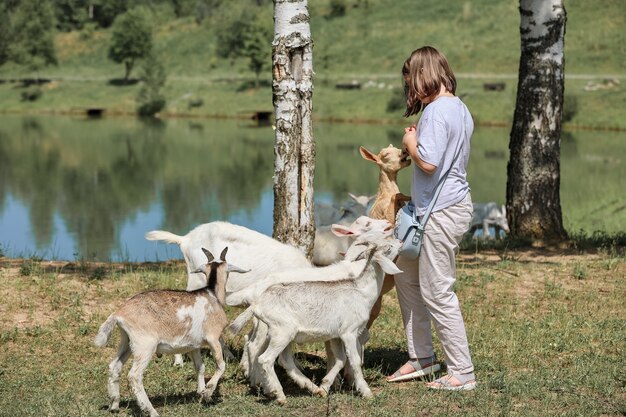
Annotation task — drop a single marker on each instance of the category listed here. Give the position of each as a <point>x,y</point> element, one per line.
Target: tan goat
<point>388,200</point>
<point>170,321</point>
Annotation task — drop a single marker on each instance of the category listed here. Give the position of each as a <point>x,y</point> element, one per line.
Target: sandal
<point>418,371</point>
<point>445,383</point>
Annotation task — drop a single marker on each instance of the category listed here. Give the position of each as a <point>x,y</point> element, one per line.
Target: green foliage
<point>338,8</point>
<point>397,102</point>
<point>257,42</point>
<point>206,8</point>
<point>32,34</point>
<point>131,39</point>
<point>31,93</point>
<point>150,100</point>
<point>245,32</point>
<point>71,14</point>
<point>106,11</point>
<point>6,30</point>
<point>570,107</point>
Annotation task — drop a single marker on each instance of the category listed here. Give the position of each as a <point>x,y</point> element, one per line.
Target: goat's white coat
<point>249,249</point>
<point>301,312</point>
<point>166,321</point>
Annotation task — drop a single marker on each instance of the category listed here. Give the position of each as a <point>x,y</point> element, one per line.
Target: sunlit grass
<point>545,329</point>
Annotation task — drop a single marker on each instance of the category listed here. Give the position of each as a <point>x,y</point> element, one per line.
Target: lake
<point>73,188</point>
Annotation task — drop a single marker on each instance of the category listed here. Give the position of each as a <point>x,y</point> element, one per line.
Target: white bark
<point>292,72</point>
<point>533,185</point>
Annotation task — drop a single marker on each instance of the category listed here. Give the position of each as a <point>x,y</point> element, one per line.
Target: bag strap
<point>431,205</point>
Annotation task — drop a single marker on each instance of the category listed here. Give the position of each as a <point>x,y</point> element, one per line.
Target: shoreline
<point>567,127</point>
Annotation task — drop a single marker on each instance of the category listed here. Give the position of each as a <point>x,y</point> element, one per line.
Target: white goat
<point>258,340</point>
<point>486,215</point>
<point>335,310</point>
<point>249,249</point>
<point>170,321</point>
<point>327,247</point>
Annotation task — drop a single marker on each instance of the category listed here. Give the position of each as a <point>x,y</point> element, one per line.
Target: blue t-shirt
<point>444,124</point>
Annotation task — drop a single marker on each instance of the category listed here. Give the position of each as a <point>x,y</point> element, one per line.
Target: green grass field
<point>481,40</point>
<point>546,330</point>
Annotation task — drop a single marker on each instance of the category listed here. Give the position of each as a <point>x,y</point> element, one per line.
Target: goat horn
<point>223,254</point>
<point>209,255</point>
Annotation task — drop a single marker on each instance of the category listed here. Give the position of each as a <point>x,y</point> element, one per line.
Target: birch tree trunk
<point>292,88</point>
<point>533,182</point>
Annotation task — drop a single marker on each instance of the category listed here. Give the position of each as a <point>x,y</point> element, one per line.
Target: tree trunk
<point>292,87</point>
<point>128,65</point>
<point>533,183</point>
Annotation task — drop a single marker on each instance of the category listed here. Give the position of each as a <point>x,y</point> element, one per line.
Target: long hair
<point>424,72</point>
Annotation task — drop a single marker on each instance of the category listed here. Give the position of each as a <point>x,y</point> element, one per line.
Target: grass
<point>376,37</point>
<point>545,327</point>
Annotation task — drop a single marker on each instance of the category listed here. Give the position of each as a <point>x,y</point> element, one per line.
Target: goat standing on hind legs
<point>389,200</point>
<point>170,321</point>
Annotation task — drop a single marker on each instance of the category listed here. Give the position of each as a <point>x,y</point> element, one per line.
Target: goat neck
<point>384,205</point>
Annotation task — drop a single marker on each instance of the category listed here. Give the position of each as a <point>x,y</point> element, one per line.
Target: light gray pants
<point>425,290</point>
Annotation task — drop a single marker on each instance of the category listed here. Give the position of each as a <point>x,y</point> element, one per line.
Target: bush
<point>150,100</point>
<point>195,103</point>
<point>397,102</point>
<point>32,94</point>
<point>337,8</point>
<point>570,108</point>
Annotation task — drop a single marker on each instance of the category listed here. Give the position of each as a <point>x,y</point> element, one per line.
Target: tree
<point>6,32</point>
<point>71,14</point>
<point>32,35</point>
<point>131,39</point>
<point>243,32</point>
<point>150,99</point>
<point>292,90</point>
<point>256,47</point>
<point>533,182</point>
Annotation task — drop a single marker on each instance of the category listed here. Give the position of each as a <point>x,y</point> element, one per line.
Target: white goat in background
<point>488,215</point>
<point>332,308</point>
<point>170,321</point>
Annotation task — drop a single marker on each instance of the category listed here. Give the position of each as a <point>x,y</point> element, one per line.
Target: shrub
<point>397,102</point>
<point>150,100</point>
<point>31,93</point>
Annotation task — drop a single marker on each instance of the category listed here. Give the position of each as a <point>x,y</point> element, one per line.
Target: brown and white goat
<point>170,321</point>
<point>389,200</point>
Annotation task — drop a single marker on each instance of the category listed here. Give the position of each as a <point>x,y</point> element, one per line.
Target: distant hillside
<point>369,42</point>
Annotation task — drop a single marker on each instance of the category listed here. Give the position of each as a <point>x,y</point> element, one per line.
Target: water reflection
<point>76,188</point>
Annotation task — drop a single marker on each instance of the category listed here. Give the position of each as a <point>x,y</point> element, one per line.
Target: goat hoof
<point>321,392</point>
<point>208,393</point>
<point>281,401</point>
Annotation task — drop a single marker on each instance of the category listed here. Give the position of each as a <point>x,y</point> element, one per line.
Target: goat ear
<point>223,254</point>
<point>386,264</point>
<point>368,155</point>
<point>234,268</point>
<point>209,255</point>
<point>341,231</point>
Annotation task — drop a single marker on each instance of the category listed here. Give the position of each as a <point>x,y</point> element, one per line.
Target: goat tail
<point>105,331</point>
<point>166,236</point>
<point>241,320</point>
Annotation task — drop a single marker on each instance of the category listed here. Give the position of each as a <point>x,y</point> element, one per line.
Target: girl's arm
<point>409,142</point>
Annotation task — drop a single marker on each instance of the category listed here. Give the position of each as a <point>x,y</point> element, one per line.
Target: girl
<point>425,287</point>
